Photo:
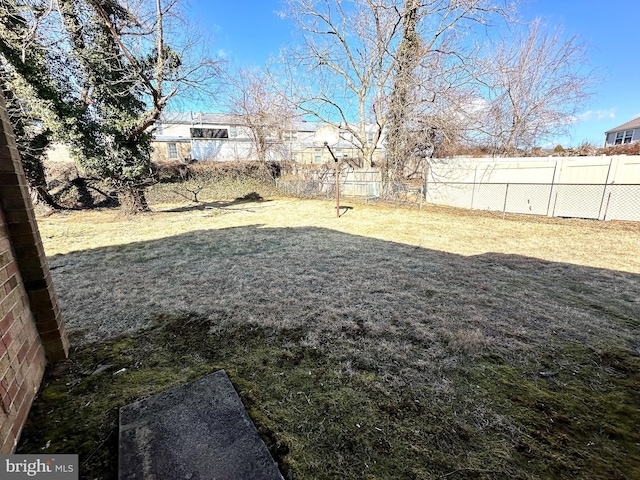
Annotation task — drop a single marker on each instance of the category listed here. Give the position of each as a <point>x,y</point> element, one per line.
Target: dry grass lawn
<point>388,343</point>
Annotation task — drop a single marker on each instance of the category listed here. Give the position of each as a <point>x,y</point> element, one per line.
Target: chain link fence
<point>592,201</point>
<point>361,183</point>
<point>572,200</point>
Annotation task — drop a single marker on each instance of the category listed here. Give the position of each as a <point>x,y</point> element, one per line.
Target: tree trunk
<point>406,61</point>
<point>133,200</point>
<point>40,196</point>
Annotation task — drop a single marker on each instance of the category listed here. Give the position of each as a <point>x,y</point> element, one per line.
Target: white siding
<point>611,138</point>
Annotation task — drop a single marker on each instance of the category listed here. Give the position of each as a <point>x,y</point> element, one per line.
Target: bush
<point>171,171</point>
<point>212,181</point>
<point>625,149</point>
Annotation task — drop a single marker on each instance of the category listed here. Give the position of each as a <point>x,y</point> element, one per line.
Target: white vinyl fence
<point>604,188</point>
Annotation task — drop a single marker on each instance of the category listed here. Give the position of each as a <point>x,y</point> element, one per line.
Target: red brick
<point>36,295</point>
<point>34,351</point>
<point>28,251</point>
<point>24,238</point>
<point>12,298</point>
<point>6,322</point>
<point>7,153</point>
<point>5,399</point>
<point>49,325</point>
<point>22,353</point>
<point>50,336</point>
<point>12,268</point>
<point>11,178</point>
<point>56,350</point>
<point>19,191</point>
<point>5,362</point>
<point>8,443</point>
<point>41,305</point>
<point>12,348</point>
<point>5,402</point>
<point>18,400</point>
<point>17,216</point>
<point>10,372</point>
<point>16,328</point>
<point>11,204</point>
<point>32,274</point>
<point>20,419</point>
<point>12,390</point>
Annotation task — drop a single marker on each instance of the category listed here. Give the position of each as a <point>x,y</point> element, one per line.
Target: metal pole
<point>337,191</point>
<point>606,209</point>
<point>506,193</point>
<point>473,187</point>
<point>604,190</point>
<point>337,180</point>
<point>553,179</point>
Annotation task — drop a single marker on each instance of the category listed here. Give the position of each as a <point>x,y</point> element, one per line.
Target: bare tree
<point>344,66</point>
<point>532,85</point>
<point>361,58</point>
<point>261,109</point>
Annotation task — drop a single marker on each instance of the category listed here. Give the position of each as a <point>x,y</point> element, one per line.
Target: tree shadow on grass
<point>199,206</point>
<point>368,357</point>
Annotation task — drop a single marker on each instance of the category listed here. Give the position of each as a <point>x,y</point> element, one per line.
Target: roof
<point>635,123</point>
<point>199,117</point>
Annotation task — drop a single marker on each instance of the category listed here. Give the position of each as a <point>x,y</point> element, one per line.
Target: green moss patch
<point>575,412</point>
<point>572,413</point>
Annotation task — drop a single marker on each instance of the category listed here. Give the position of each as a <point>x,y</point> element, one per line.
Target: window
<point>172,151</point>
<point>317,155</point>
<point>291,136</point>
<point>369,138</point>
<point>624,137</point>
<point>209,133</point>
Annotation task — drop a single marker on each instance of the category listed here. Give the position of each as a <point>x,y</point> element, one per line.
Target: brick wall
<point>31,328</point>
<point>22,357</point>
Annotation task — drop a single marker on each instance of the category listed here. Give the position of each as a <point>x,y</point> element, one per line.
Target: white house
<point>226,137</point>
<point>626,133</point>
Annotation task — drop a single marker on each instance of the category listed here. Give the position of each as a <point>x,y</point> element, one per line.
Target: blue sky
<point>248,32</point>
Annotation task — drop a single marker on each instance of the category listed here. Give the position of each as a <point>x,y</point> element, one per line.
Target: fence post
<point>553,194</point>
<point>353,182</point>
<point>473,187</point>
<point>504,207</point>
<point>553,180</point>
<point>604,190</point>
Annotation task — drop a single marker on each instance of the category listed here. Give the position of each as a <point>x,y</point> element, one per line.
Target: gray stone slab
<point>197,431</point>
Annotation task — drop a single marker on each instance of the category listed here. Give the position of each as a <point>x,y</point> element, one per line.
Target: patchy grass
<point>389,343</point>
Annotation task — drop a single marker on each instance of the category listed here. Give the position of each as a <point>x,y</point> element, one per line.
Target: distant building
<point>626,133</point>
<point>226,137</point>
